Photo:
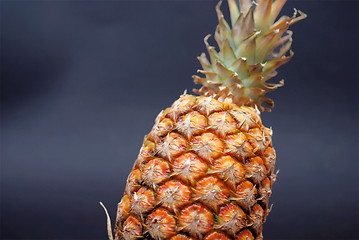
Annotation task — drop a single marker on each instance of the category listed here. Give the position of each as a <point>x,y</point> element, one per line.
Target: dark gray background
<point>82,82</point>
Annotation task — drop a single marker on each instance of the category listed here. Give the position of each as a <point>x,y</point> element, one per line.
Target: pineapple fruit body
<point>205,171</point>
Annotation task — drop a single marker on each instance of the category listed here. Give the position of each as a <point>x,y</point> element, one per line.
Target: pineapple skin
<point>205,171</point>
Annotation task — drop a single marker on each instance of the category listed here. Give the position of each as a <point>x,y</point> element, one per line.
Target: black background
<point>82,82</point>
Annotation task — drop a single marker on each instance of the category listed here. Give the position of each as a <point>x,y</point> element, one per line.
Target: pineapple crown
<point>250,51</point>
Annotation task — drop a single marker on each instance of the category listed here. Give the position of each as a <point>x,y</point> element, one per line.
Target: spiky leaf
<point>250,51</point>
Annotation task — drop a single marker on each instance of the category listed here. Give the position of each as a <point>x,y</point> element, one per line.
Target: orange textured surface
<point>203,172</point>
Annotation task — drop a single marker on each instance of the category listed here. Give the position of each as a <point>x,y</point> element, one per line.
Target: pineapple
<point>206,169</point>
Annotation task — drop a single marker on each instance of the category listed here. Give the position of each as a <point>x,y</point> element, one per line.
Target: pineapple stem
<point>108,219</point>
